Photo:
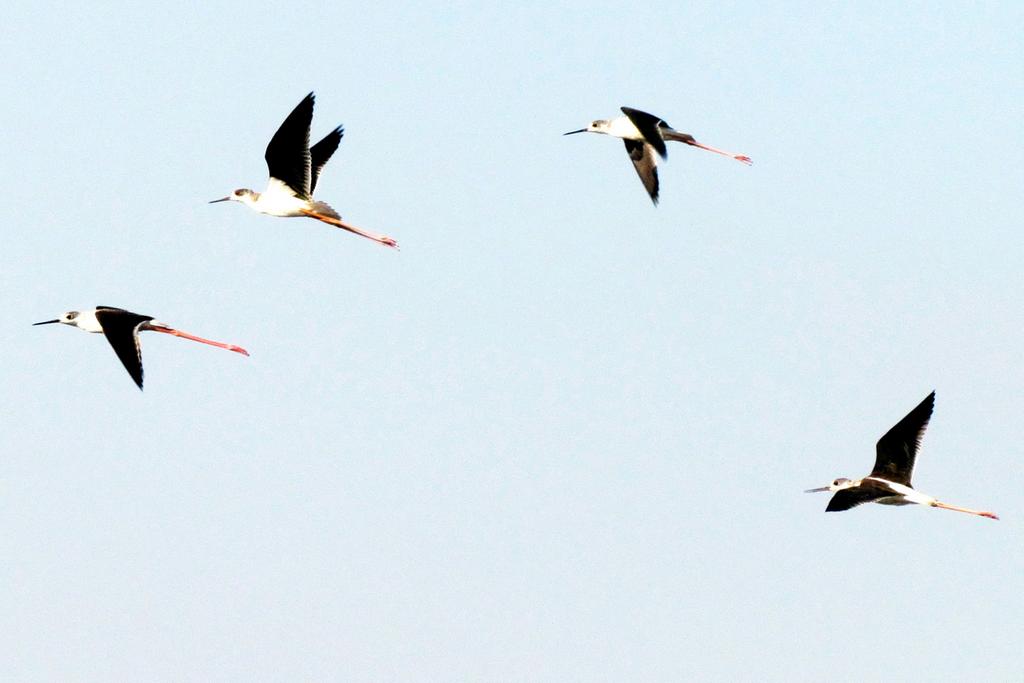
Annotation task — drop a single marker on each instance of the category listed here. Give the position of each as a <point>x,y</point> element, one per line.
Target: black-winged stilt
<point>889,481</point>
<point>643,135</point>
<point>294,169</point>
<point>121,328</point>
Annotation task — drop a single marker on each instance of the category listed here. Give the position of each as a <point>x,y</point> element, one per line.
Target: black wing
<point>646,167</point>
<point>858,495</point>
<point>287,155</point>
<point>895,452</point>
<point>120,329</point>
<point>649,126</point>
<point>320,153</point>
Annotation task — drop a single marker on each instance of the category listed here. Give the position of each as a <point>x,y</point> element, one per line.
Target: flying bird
<point>121,328</point>
<point>295,168</point>
<point>889,481</point>
<point>644,134</point>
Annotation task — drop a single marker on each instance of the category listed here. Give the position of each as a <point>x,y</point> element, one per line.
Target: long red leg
<point>382,239</point>
<point>946,506</point>
<point>738,157</point>
<point>186,335</point>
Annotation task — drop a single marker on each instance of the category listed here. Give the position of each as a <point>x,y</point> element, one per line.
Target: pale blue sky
<point>562,435</point>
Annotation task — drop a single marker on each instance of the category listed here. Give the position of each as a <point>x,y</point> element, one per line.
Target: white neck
<point>250,199</point>
<point>86,320</point>
<point>622,127</point>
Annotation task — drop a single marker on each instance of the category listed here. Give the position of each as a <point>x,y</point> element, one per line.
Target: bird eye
<point>71,315</point>
<point>239,193</point>
<point>835,483</point>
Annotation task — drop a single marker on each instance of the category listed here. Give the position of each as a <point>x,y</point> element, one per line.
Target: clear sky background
<point>562,434</point>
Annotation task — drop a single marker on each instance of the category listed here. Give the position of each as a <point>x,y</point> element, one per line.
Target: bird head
<point>242,194</point>
<point>64,319</point>
<point>837,485</point>
<point>598,126</point>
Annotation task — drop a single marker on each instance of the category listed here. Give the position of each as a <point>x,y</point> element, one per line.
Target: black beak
<point>573,132</point>
<point>46,322</point>
<point>222,199</point>
<point>823,488</point>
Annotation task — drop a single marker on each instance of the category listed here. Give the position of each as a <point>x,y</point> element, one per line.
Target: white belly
<point>623,128</point>
<point>279,200</point>
<point>282,206</point>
